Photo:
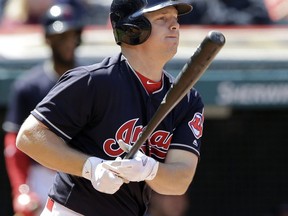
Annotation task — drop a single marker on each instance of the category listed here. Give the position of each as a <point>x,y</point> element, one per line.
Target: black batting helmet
<point>129,24</point>
<point>62,17</point>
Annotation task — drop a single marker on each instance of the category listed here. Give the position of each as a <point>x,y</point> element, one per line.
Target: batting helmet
<point>129,24</point>
<point>60,18</point>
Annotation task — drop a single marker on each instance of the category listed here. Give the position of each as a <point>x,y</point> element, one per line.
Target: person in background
<point>29,180</point>
<point>95,113</point>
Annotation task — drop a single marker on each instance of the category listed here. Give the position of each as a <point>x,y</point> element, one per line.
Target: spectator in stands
<point>228,12</point>
<point>277,10</point>
<point>18,12</point>
<point>197,17</point>
<point>31,11</point>
<point>30,181</point>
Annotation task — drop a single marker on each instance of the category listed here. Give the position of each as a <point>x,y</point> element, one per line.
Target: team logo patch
<point>196,124</point>
<point>130,131</point>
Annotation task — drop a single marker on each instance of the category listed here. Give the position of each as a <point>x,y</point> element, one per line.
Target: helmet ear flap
<point>133,31</point>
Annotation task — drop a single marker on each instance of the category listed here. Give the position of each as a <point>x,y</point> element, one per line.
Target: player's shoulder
<point>97,75</point>
<point>103,67</point>
<point>103,72</point>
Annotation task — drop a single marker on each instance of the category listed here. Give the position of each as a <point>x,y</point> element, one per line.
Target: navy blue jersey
<point>91,107</point>
<point>26,92</point>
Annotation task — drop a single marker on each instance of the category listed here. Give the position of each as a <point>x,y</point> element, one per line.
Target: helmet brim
<point>182,8</point>
<point>59,27</point>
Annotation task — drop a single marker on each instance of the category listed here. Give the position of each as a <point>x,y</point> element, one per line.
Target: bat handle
<point>131,153</point>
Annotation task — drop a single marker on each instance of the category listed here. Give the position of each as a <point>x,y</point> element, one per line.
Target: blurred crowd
<point>14,12</point>
<point>206,12</point>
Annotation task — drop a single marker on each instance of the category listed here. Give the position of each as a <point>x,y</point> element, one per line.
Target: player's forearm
<point>48,149</point>
<point>176,174</point>
<point>171,179</point>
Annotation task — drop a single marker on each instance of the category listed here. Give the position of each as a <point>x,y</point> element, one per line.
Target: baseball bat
<point>186,79</point>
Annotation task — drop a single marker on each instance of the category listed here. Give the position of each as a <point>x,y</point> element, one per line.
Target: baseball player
<point>29,180</point>
<point>95,113</point>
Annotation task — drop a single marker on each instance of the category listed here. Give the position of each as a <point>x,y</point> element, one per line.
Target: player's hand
<point>103,180</point>
<point>140,168</point>
<point>106,181</point>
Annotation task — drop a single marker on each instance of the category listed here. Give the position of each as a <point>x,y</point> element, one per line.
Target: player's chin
<point>170,53</point>
<point>172,47</point>
<point>172,42</point>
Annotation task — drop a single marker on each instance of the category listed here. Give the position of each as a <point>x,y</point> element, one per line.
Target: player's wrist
<point>154,169</point>
<point>150,168</point>
<point>89,167</point>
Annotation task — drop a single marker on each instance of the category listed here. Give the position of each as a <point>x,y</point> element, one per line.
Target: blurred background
<point>244,165</point>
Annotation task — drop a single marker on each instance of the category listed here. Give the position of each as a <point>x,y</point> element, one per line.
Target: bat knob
<point>217,37</point>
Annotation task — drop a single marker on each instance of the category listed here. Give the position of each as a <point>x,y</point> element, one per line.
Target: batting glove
<point>103,180</point>
<point>140,168</point>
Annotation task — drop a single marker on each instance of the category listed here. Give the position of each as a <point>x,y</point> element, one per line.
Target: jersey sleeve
<point>66,108</point>
<point>189,129</point>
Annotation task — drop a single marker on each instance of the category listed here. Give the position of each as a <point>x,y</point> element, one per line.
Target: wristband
<point>90,166</point>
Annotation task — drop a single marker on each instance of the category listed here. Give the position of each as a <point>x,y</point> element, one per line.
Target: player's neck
<point>150,85</point>
<point>150,68</point>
